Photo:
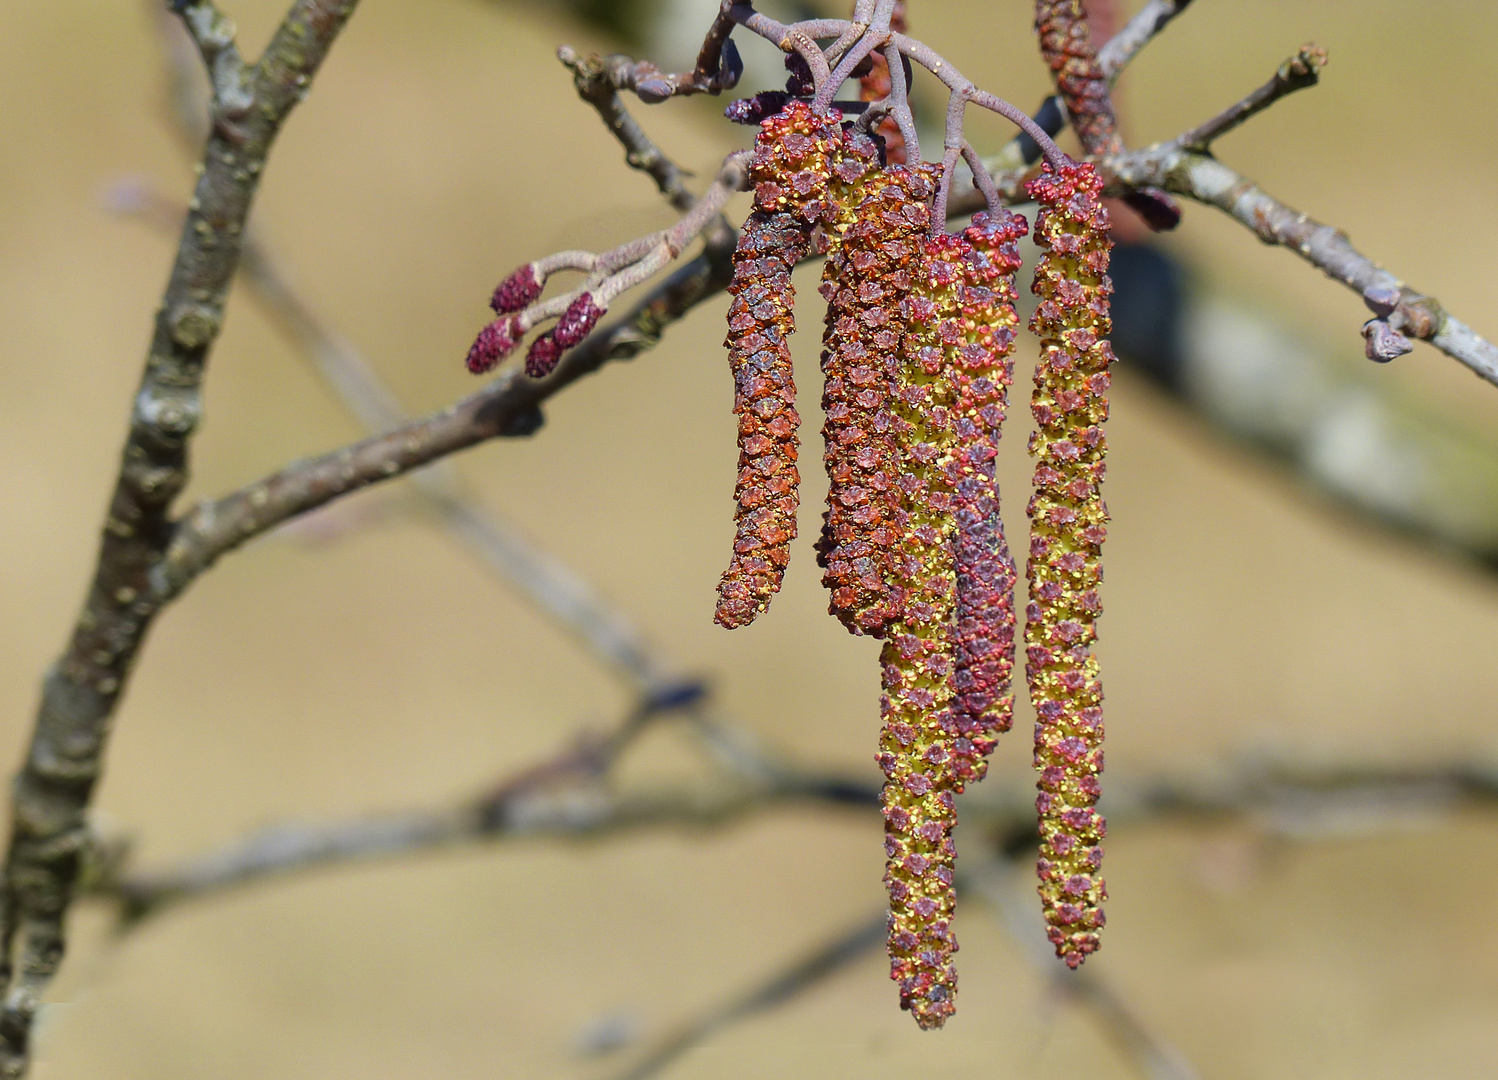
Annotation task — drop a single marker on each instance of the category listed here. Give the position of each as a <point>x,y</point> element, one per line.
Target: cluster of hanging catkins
<point>918,358</point>
<point>917,355</point>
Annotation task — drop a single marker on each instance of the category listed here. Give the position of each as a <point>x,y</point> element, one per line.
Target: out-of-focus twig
<point>568,796</point>
<point>797,978</point>
<point>1009,890</point>
<point>50,797</point>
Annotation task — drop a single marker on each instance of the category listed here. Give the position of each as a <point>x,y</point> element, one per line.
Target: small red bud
<point>577,321</point>
<point>518,291</point>
<point>494,343</point>
<point>543,355</point>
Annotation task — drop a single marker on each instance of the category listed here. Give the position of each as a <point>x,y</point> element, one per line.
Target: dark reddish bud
<point>798,81</point>
<point>543,355</point>
<point>751,110</point>
<point>518,291</point>
<point>494,343</point>
<point>1155,208</point>
<point>577,321</point>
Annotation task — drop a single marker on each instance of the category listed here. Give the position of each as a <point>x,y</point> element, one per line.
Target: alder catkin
<point>790,169</point>
<point>875,244</point>
<point>983,701</point>
<point>1066,46</point>
<point>916,743</point>
<point>1068,519</point>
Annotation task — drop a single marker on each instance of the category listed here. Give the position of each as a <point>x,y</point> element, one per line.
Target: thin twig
<point>52,793</point>
<point>1297,73</point>
<point>1116,53</point>
<point>795,979</point>
<point>1009,890</point>
<point>565,796</point>
<point>598,80</point>
<point>1198,176</point>
<point>214,34</point>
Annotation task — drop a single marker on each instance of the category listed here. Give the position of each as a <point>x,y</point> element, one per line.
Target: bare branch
<point>798,977</point>
<point>567,796</point>
<point>1201,177</point>
<point>598,80</point>
<point>1138,32</point>
<point>80,693</point>
<point>1297,73</point>
<point>213,32</point>
<point>1010,892</point>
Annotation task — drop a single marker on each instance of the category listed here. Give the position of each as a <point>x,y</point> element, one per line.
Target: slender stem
<point>1297,73</point>
<point>899,96</point>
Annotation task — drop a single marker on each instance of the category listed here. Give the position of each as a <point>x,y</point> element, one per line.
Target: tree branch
<point>80,693</point>
<point>1297,73</point>
<point>1115,54</point>
<point>567,796</point>
<point>598,80</point>
<point>214,34</point>
<point>1198,176</point>
<point>508,406</point>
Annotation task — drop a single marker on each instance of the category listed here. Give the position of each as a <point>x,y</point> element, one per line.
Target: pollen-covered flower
<point>1065,566</point>
<point>790,170</point>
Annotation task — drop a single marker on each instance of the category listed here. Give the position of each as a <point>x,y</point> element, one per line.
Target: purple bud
<point>1155,208</point>
<point>494,343</point>
<point>1383,342</point>
<point>730,66</point>
<point>799,81</point>
<point>654,89</point>
<point>1382,301</point>
<point>543,355</point>
<point>752,110</point>
<point>517,291</point>
<point>576,322</point>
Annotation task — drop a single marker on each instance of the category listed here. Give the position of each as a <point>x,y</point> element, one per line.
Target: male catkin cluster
<point>1067,519</point>
<point>917,352</point>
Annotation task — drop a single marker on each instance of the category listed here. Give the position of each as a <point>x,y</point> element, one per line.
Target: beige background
<point>305,677</point>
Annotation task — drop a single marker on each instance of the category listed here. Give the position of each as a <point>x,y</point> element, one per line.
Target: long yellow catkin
<point>1067,529</point>
<point>949,655</point>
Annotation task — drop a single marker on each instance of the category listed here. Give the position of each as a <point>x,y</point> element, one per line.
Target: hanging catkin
<point>1065,566</point>
<point>789,169</point>
<point>875,245</point>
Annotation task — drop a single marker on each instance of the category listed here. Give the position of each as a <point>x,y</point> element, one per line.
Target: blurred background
<point>1301,569</point>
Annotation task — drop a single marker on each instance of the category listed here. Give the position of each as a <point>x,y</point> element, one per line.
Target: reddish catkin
<point>917,741</point>
<point>1067,527</point>
<point>1066,45</point>
<point>983,701</point>
<point>876,243</point>
<point>875,86</point>
<point>790,169</point>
